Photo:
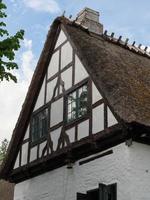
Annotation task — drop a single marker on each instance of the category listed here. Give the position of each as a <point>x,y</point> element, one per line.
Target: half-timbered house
<point>83,132</point>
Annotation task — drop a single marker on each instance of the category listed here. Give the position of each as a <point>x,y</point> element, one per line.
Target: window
<point>77,103</point>
<point>104,192</point>
<point>39,125</point>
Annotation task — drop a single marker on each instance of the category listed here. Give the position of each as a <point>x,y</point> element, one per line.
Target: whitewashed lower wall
<point>129,167</point>
<point>140,172</point>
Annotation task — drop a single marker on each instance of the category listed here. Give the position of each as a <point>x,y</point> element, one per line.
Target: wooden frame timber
<point>78,150</point>
<point>87,146</point>
<point>95,157</point>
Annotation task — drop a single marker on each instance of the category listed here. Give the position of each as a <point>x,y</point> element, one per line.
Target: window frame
<point>89,105</point>
<point>42,138</point>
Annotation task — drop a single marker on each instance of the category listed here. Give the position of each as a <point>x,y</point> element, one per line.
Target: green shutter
<point>103,195</point>
<point>81,196</point>
<point>112,191</point>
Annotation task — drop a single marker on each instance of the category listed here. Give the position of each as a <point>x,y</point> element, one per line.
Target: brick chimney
<point>90,18</point>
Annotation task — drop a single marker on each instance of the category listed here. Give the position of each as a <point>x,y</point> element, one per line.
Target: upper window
<point>77,103</point>
<point>39,125</point>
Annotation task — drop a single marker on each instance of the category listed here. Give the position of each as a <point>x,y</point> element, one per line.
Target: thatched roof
<point>122,76</point>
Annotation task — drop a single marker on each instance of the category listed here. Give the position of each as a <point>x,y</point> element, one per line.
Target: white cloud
<point>43,5</point>
<point>27,60</point>
<point>12,94</point>
<point>27,43</point>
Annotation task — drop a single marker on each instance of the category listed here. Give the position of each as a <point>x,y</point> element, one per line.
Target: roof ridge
<point>118,41</point>
<point>125,44</point>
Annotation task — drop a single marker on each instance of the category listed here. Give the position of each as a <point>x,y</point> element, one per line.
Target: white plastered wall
<point>127,166</point>
<point>54,65</point>
<point>80,72</point>
<point>56,113</point>
<point>33,153</point>
<point>71,133</point>
<point>50,89</point>
<point>111,119</point>
<point>139,161</point>
<point>66,55</point>
<point>40,99</point>
<point>98,119</point>
<point>96,96</point>
<point>17,161</point>
<point>67,78</point>
<point>27,133</point>
<point>55,137</point>
<point>24,154</point>
<point>83,129</point>
<point>41,148</point>
<point>62,38</point>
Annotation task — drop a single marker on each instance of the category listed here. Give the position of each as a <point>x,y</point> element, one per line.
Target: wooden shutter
<point>103,194</point>
<point>93,194</point>
<point>112,191</point>
<point>81,196</point>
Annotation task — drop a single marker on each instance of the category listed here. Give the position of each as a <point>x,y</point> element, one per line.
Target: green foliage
<point>8,46</point>
<point>3,149</point>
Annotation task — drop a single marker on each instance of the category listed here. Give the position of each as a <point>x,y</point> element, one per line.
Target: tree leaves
<point>3,149</point>
<point>8,46</point>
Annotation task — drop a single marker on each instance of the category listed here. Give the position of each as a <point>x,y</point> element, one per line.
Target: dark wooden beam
<point>95,157</point>
<point>78,150</point>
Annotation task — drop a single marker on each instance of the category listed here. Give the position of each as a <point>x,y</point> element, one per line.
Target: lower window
<point>39,125</point>
<point>104,192</point>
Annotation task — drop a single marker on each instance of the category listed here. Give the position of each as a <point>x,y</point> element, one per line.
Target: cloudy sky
<point>131,19</point>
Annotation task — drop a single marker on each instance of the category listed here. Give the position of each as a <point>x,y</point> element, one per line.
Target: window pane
<point>69,117</point>
<point>39,125</point>
<point>77,103</point>
<point>44,122</point>
<point>72,97</point>
<point>73,115</point>
<point>82,101</point>
<point>71,106</point>
<point>34,128</point>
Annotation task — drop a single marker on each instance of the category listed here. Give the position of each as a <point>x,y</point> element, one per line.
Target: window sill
<point>77,121</point>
